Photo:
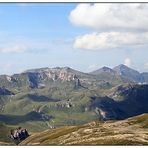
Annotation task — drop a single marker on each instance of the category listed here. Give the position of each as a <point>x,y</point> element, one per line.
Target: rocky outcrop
<point>64,74</point>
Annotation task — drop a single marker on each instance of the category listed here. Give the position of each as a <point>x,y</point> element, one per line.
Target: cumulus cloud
<point>108,40</point>
<point>146,65</point>
<point>127,62</point>
<point>115,25</point>
<point>111,16</point>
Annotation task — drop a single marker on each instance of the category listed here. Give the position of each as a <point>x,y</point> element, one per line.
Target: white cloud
<point>127,62</point>
<point>109,40</point>
<point>111,16</point>
<point>23,4</point>
<point>115,25</point>
<point>146,65</point>
<point>19,44</point>
<point>11,43</point>
<point>13,49</point>
<point>92,67</point>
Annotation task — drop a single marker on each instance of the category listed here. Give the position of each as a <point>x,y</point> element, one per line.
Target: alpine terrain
<point>74,104</point>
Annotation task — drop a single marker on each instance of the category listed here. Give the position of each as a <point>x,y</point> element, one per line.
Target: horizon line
<point>37,68</point>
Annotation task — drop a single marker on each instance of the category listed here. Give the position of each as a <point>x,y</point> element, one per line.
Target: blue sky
<point>74,35</point>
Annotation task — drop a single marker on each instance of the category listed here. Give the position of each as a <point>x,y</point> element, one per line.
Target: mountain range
<point>125,72</point>
<point>36,78</point>
<point>44,98</point>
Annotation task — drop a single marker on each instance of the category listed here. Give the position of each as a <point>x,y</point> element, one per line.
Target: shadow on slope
<point>41,98</point>
<point>135,103</point>
<point>15,119</point>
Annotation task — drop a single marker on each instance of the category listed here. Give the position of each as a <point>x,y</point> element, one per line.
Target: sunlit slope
<point>132,131</point>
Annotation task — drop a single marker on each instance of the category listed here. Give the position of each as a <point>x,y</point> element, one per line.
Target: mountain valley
<point>47,98</point>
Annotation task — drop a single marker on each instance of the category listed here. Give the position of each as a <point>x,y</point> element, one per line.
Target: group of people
<point>19,134</point>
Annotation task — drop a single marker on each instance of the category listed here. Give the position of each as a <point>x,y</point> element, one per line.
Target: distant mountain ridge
<point>129,73</point>
<point>40,78</point>
<point>125,72</point>
<point>104,70</point>
<point>68,74</point>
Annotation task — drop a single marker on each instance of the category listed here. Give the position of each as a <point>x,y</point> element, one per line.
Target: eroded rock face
<point>63,74</point>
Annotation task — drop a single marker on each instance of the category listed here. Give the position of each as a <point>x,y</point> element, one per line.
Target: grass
<point>47,136</point>
<point>94,133</point>
<point>4,132</point>
<point>143,119</point>
<point>25,102</point>
<point>112,142</point>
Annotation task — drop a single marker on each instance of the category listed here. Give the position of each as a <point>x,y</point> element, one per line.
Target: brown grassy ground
<point>133,131</point>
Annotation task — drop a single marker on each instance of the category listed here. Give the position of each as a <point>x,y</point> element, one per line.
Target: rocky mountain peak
<point>122,66</point>
<point>121,69</point>
<point>127,72</point>
<point>104,70</point>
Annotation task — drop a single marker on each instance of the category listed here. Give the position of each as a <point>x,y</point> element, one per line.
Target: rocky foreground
<point>132,131</point>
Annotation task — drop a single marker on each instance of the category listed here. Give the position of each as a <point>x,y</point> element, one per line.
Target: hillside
<point>128,73</point>
<point>44,98</point>
<point>4,132</point>
<point>132,131</point>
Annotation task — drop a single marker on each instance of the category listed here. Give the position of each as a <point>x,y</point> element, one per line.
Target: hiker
<point>11,134</point>
<point>15,136</point>
<point>19,135</point>
<point>26,132</point>
<point>23,133</point>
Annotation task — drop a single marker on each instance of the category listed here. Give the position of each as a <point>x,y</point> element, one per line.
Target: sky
<point>82,36</point>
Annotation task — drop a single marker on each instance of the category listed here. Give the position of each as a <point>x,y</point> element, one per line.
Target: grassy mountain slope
<point>41,109</point>
<point>132,131</point>
<point>4,132</point>
<point>45,98</point>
